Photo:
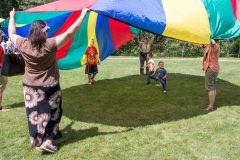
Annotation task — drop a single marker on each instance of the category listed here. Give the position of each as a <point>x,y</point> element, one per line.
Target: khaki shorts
<point>210,80</point>
<point>3,83</point>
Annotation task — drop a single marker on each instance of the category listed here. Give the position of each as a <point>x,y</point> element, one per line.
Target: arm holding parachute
<point>152,39</point>
<point>71,31</point>
<point>12,27</point>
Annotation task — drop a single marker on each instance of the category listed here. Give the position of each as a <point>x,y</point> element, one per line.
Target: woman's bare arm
<point>71,31</point>
<point>12,27</point>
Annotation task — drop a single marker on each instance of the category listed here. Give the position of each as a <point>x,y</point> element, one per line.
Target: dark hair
<point>160,62</point>
<point>36,36</point>
<point>150,54</point>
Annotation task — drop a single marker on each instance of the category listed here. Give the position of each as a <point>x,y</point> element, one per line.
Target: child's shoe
<point>164,90</point>
<point>89,83</point>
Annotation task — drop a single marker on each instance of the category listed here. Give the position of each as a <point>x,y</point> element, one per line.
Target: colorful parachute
<point>108,33</point>
<point>196,21</point>
<point>189,20</point>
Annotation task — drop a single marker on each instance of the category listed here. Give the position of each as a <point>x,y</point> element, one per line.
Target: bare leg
<point>211,96</point>
<point>0,99</point>
<point>94,74</point>
<point>89,78</point>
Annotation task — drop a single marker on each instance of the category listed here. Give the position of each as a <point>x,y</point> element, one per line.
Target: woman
<point>145,49</point>
<point>42,93</point>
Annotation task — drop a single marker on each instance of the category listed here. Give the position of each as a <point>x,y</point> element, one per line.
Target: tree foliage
<point>7,5</point>
<point>167,47</point>
<point>26,4</point>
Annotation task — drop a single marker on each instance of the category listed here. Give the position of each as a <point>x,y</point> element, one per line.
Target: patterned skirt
<point>44,112</point>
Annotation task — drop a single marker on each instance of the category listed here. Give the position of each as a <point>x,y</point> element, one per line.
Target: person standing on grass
<point>42,93</point>
<point>211,67</point>
<point>150,68</point>
<point>145,49</point>
<point>92,62</point>
<point>3,81</point>
<point>162,75</point>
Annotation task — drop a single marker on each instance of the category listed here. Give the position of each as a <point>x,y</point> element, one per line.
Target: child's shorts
<point>91,69</point>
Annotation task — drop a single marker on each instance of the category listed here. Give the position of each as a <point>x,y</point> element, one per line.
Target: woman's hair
<point>36,36</point>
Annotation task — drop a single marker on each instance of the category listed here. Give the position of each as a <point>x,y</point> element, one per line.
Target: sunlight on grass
<point>119,117</point>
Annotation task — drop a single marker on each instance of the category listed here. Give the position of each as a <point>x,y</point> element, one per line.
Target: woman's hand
<point>12,13</point>
<point>84,11</point>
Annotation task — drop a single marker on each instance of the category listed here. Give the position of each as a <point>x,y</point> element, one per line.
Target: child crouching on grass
<point>162,75</point>
<point>150,68</point>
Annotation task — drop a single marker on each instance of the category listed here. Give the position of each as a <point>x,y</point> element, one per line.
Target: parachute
<point>196,21</point>
<point>113,23</point>
<point>108,33</point>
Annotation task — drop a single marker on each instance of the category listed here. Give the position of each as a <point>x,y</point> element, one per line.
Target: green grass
<point>119,117</point>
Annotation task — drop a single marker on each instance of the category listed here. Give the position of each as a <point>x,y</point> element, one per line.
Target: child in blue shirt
<point>162,75</point>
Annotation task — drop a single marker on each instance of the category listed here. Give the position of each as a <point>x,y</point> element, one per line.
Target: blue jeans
<point>163,82</point>
<point>149,76</point>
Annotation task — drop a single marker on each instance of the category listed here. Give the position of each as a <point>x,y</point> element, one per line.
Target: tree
<point>26,4</point>
<point>228,47</point>
<point>6,6</point>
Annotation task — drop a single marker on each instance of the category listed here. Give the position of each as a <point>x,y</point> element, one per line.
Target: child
<point>162,75</point>
<point>150,68</point>
<point>92,62</point>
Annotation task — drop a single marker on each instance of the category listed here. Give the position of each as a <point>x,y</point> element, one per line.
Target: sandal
<point>209,108</point>
<point>2,109</point>
<point>49,148</point>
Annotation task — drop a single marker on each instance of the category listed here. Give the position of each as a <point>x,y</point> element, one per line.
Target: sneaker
<point>156,79</point>
<point>89,83</point>
<point>165,90</point>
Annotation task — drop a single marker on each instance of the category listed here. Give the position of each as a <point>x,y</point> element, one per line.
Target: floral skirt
<point>44,112</point>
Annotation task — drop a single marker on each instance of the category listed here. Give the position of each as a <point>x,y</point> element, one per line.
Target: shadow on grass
<point>73,135</point>
<point>17,105</point>
<point>128,102</point>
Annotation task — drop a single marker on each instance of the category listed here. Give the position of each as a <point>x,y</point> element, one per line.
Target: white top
<point>150,62</point>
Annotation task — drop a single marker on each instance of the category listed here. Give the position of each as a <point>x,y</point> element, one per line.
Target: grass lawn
<point>119,117</point>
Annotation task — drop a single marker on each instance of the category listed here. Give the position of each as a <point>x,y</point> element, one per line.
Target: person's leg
<point>153,77</point>
<point>0,99</point>
<point>90,73</point>
<point>148,77</point>
<point>141,64</point>
<point>211,96</point>
<point>163,82</point>
<point>3,83</point>
<point>145,59</point>
<point>89,78</point>
<point>94,73</point>
<point>210,85</point>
